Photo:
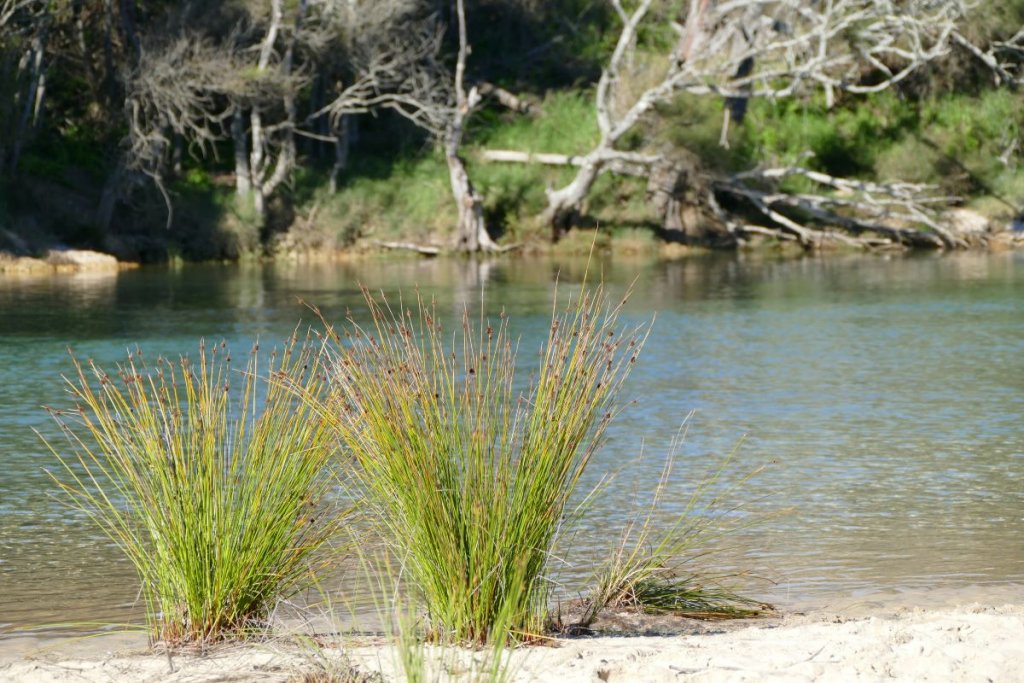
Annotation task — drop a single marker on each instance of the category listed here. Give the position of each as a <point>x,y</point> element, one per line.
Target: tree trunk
<point>257,160</point>
<point>471,233</point>
<point>84,53</point>
<point>243,177</point>
<point>341,141</point>
<point>680,193</point>
<point>265,181</point>
<point>32,106</point>
<point>564,204</point>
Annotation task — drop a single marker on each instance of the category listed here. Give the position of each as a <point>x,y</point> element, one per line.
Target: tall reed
<point>213,482</point>
<point>469,472</point>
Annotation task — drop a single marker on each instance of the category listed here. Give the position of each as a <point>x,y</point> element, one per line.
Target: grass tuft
<point>213,482</point>
<point>469,477</point>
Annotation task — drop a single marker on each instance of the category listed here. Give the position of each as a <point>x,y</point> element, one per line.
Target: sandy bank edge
<point>962,644</point>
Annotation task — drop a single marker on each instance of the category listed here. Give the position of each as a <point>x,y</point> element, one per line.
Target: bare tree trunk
<point>257,155</point>
<point>257,168</point>
<point>564,204</point>
<point>84,53</point>
<point>681,194</point>
<point>265,182</point>
<point>39,97</point>
<point>471,232</point>
<point>285,161</point>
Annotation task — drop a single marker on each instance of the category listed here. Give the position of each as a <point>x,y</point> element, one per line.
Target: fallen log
<point>425,249</point>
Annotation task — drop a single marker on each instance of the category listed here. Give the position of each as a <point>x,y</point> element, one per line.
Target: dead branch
<point>513,156</point>
<point>10,8</point>
<point>425,249</point>
<point>891,210</point>
<point>849,211</point>
<point>507,99</point>
<point>627,161</point>
<point>1004,58</point>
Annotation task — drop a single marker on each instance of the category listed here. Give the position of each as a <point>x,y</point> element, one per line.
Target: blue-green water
<point>888,396</point>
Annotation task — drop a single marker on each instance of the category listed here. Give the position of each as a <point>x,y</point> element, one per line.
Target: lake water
<point>886,394</point>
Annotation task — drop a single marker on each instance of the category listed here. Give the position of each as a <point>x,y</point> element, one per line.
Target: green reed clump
<point>469,475</point>
<point>213,482</point>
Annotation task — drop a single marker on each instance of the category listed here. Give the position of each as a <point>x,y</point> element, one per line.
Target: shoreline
<point>60,260</point>
<point>903,638</point>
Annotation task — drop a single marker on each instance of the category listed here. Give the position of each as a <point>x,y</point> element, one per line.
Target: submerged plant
<point>469,473</point>
<point>214,483</point>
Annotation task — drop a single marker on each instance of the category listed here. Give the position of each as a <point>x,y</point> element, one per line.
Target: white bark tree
<point>439,101</point>
<point>471,232</point>
<point>740,49</point>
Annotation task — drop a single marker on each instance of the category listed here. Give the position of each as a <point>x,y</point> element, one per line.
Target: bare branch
<point>1003,71</point>
<point>506,98</point>
<point>610,74</point>
<point>888,209</point>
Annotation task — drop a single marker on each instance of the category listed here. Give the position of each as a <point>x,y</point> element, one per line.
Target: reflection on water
<point>888,395</point>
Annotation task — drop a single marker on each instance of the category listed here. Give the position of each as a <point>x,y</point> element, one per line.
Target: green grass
<point>468,477</point>
<point>951,139</point>
<point>214,483</point>
<point>565,124</point>
<point>411,199</point>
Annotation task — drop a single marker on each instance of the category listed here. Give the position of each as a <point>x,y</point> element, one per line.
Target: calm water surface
<point>887,396</point>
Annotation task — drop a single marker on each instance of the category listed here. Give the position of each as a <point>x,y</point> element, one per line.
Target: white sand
<point>971,643</point>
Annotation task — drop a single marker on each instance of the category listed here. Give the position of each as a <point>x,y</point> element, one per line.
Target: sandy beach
<point>970,642</point>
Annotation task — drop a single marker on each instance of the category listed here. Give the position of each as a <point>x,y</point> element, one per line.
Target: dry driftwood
<point>425,249</point>
<point>848,211</point>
